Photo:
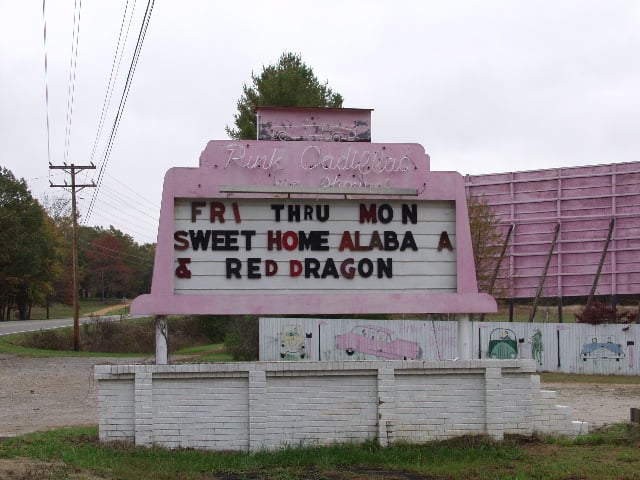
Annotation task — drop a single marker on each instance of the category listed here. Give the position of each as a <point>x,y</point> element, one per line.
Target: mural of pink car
<point>377,341</point>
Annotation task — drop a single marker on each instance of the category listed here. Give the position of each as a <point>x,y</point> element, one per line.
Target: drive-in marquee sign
<point>310,228</point>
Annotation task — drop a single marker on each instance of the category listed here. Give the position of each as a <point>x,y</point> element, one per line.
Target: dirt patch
<point>598,404</point>
<point>28,469</point>
<point>43,393</point>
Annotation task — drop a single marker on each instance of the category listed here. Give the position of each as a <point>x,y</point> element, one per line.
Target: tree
<point>58,209</point>
<point>289,83</point>
<point>28,255</point>
<point>487,240</point>
<point>112,264</point>
<point>109,274</point>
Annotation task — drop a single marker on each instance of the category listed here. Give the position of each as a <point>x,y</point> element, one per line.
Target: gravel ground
<point>43,393</point>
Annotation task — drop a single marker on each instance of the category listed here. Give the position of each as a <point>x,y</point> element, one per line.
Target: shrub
<point>242,338</point>
<point>596,313</point>
<point>213,326</point>
<point>106,336</point>
<point>48,340</point>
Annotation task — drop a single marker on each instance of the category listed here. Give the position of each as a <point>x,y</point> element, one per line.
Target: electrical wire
<point>130,206</point>
<point>123,101</point>
<point>115,69</point>
<point>75,40</point>
<point>118,252</point>
<point>46,77</point>
<point>145,236</point>
<point>138,221</point>
<point>134,192</point>
<point>125,207</point>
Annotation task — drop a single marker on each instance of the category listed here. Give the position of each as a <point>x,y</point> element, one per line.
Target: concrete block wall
<point>265,405</point>
<point>551,418</point>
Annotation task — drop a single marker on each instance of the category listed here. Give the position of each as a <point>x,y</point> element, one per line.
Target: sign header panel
<point>316,164</point>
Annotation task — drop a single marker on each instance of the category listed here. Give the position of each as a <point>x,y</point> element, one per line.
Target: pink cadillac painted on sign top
<point>313,227</point>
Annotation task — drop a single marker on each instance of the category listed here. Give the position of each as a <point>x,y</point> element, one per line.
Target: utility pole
<point>73,170</point>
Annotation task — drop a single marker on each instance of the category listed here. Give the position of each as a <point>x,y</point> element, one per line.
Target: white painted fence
<point>556,347</point>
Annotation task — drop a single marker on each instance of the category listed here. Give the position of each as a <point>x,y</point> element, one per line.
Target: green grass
<point>611,453</point>
<point>207,353</point>
<point>599,379</point>
<point>10,344</point>
<point>86,307</point>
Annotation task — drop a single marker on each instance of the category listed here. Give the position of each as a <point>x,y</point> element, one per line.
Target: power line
<point>129,203</point>
<point>128,226</point>
<point>126,207</point>
<point>118,252</point>
<point>118,208</point>
<point>115,66</point>
<point>75,39</point>
<point>46,77</point>
<point>123,101</point>
<point>135,192</point>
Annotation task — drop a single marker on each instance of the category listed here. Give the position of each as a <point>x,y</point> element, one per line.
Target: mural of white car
<point>292,344</point>
<point>377,341</point>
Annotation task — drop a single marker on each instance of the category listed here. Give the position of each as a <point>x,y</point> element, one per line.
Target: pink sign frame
<point>311,170</point>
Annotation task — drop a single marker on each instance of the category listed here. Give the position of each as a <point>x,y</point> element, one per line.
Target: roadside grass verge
<point>599,379</point>
<point>215,352</point>
<point>607,454</point>
<point>13,344</point>
<point>126,337</point>
<point>59,310</point>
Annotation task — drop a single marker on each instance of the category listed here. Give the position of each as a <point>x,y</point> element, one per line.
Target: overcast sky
<point>485,86</point>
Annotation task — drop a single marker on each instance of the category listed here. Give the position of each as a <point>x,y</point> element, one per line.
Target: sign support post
<point>162,343</point>
<point>464,337</point>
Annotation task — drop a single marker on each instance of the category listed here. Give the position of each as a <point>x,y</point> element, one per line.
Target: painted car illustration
<point>602,350</point>
<point>292,344</point>
<point>503,344</point>
<point>377,341</point>
<point>359,132</point>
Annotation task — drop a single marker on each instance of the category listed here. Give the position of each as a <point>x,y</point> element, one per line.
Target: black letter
<point>247,237</point>
<point>365,272</point>
<point>408,242</point>
<point>277,208</point>
<point>311,267</point>
<point>200,239</point>
<point>253,267</point>
<point>322,216</point>
<point>409,212</point>
<point>385,213</point>
<point>233,267</point>
<point>386,268</point>
<point>330,269</point>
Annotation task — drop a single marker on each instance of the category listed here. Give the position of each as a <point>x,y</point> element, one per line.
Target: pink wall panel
<point>583,200</point>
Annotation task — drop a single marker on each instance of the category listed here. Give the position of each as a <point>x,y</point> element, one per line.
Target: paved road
<point>19,326</point>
